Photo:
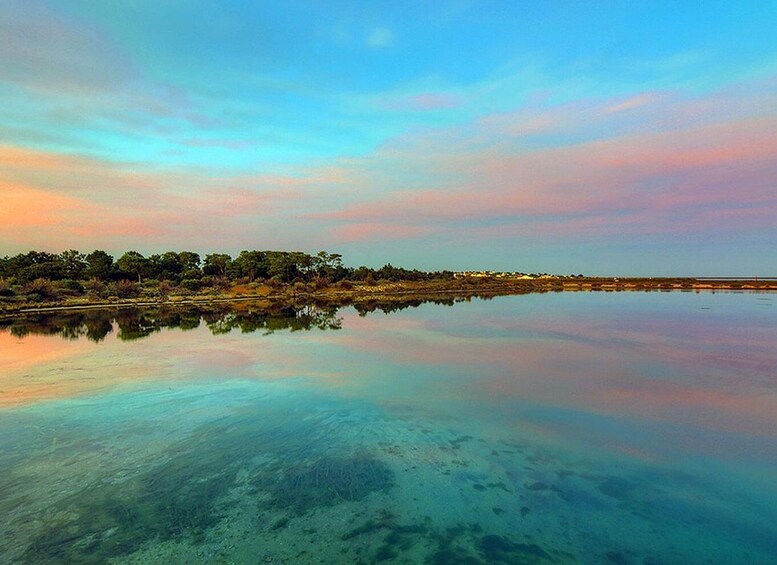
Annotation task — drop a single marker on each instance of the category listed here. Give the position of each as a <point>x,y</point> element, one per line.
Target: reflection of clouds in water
<point>253,357</point>
<point>634,364</point>
<point>36,368</point>
<point>567,427</point>
<point>220,360</point>
<point>138,344</point>
<point>18,354</point>
<point>638,360</point>
<point>77,368</point>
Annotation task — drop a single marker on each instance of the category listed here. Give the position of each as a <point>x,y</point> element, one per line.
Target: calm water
<point>547,428</point>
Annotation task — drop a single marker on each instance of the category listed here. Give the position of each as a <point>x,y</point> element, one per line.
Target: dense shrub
<point>124,289</point>
<point>190,284</point>
<point>320,282</point>
<point>5,288</point>
<point>216,282</point>
<point>191,274</point>
<point>69,286</point>
<point>39,290</point>
<point>95,286</point>
<point>164,288</point>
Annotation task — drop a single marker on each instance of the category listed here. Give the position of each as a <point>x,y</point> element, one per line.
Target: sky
<point>608,138</point>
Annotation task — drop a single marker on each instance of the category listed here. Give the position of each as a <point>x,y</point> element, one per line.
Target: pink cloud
<point>30,209</point>
<point>694,177</point>
<point>53,201</point>
<point>632,103</point>
<point>376,231</point>
<point>646,164</point>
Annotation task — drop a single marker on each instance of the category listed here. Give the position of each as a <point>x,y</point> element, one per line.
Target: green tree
<point>189,260</point>
<point>99,265</point>
<point>133,263</point>
<point>252,264</point>
<point>328,265</point>
<point>35,265</point>
<point>281,266</point>
<point>190,267</point>
<point>73,264</point>
<point>217,264</point>
<point>166,266</point>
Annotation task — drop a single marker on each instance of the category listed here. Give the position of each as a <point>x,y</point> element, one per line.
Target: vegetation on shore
<point>39,277</point>
<point>71,278</point>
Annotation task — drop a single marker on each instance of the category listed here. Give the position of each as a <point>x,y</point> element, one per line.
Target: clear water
<point>547,428</point>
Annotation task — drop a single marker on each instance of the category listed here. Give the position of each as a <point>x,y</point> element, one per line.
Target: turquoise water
<point>546,428</point>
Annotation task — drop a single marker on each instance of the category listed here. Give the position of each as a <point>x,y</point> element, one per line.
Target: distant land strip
<point>42,281</point>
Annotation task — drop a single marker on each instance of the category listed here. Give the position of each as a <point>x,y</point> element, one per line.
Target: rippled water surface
<point>546,428</point>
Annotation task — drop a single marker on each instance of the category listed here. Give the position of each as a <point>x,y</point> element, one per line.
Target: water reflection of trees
<point>94,325</point>
<point>288,318</point>
<point>131,323</point>
<point>366,307</point>
<point>136,323</point>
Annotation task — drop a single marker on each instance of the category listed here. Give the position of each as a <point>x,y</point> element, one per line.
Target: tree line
<point>73,269</point>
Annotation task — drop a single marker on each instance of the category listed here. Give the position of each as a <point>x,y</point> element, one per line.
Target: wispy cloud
<point>660,165</point>
<point>231,144</point>
<point>651,163</point>
<point>57,200</point>
<point>353,232</point>
<point>380,37</point>
<point>422,101</point>
<point>46,50</point>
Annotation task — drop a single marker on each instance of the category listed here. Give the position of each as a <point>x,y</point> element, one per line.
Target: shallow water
<point>546,428</point>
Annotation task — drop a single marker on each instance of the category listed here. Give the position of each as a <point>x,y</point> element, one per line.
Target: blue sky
<point>603,137</point>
